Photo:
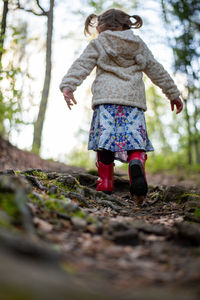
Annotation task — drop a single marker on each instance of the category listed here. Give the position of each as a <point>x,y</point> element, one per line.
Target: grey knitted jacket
<point>121,58</point>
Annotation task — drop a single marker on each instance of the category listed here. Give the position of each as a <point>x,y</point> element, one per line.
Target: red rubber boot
<point>105,180</point>
<point>138,182</point>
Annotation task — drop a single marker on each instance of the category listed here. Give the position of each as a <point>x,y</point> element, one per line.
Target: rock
<point>52,175</point>
<point>121,184</point>
<point>79,223</point>
<point>192,209</point>
<point>53,189</point>
<point>5,219</point>
<point>77,196</point>
<point>42,225</point>
<point>193,217</point>
<point>189,232</point>
<point>107,203</point>
<point>36,182</point>
<point>127,237</point>
<point>95,228</point>
<point>87,179</point>
<point>7,172</point>
<point>69,206</point>
<point>175,193</point>
<point>157,229</point>
<point>68,181</point>
<point>121,233</point>
<point>13,199</point>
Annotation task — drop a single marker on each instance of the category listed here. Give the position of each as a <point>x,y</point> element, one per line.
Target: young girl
<point>118,124</point>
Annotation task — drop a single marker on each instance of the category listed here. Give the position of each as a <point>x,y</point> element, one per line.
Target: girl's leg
<point>106,156</point>
<point>105,165</point>
<point>138,182</point>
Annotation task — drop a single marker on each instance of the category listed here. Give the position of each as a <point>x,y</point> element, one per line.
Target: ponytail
<point>90,22</point>
<point>138,23</point>
<point>112,19</point>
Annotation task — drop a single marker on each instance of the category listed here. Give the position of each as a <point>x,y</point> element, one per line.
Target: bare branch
<point>44,13</point>
<point>39,5</point>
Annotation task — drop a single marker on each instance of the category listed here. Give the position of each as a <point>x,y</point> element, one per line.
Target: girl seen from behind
<point>118,128</point>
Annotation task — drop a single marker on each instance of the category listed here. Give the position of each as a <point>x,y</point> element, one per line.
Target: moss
<point>91,220</point>
<point>8,205</point>
<point>68,268</point>
<point>93,172</point>
<point>197,213</point>
<point>155,195</point>
<point>40,175</point>
<point>62,186</point>
<point>17,172</point>
<point>79,214</point>
<point>190,196</point>
<point>4,223</point>
<point>55,206</point>
<point>57,196</point>
<point>36,199</point>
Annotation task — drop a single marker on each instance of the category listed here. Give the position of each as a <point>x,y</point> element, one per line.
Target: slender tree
<point>38,125</point>
<point>182,17</point>
<point>3,28</point>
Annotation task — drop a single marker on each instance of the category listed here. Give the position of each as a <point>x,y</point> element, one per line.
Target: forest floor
<point>61,239</point>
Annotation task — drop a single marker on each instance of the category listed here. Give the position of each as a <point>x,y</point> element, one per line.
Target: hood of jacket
<point>122,47</point>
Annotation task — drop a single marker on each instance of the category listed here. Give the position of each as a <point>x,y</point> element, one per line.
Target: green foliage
<point>183,22</point>
<point>11,76</point>
<point>172,162</point>
<point>10,101</point>
<point>157,107</point>
<point>81,157</point>
<point>101,5</point>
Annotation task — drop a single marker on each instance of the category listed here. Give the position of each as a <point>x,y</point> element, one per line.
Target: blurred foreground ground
<point>60,239</point>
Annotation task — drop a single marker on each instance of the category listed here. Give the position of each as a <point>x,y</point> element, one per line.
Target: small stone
<point>189,232</point>
<point>42,225</point>
<point>175,193</point>
<point>53,189</point>
<point>5,217</point>
<point>52,175</point>
<point>7,172</point>
<point>68,180</point>
<point>79,223</point>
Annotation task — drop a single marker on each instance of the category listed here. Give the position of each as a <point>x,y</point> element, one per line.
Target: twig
<point>44,13</point>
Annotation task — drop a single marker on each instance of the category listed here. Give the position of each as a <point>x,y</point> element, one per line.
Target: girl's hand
<point>69,97</point>
<point>178,103</point>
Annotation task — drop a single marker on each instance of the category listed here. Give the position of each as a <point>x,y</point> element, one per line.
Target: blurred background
<point>40,40</point>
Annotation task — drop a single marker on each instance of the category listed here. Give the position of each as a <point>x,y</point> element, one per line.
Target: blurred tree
<point>38,125</point>
<point>101,5</point>
<point>10,72</point>
<point>155,125</point>
<point>182,17</point>
<point>3,27</point>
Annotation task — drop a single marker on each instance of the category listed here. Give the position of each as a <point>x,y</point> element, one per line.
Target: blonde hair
<point>112,19</point>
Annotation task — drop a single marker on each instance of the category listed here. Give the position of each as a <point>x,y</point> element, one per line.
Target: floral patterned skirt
<point>118,128</point>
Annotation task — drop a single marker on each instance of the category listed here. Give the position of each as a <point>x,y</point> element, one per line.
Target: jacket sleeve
<point>81,68</point>
<point>159,76</point>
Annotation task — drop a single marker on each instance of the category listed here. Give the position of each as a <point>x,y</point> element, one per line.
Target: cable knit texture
<point>121,58</point>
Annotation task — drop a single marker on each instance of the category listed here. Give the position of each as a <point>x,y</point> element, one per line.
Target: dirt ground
<point>13,158</point>
<point>60,239</point>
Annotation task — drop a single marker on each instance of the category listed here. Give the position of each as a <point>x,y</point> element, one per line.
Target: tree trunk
<point>189,134</point>
<point>3,27</point>
<point>197,135</point>
<point>38,126</point>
